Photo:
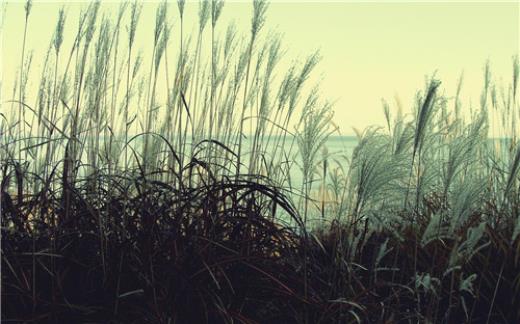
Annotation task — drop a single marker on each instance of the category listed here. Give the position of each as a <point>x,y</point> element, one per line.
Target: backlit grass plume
<point>200,179</point>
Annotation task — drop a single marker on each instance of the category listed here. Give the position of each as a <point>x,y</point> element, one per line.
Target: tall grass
<point>164,193</point>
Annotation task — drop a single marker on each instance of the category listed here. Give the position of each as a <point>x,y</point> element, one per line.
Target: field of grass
<point>129,195</point>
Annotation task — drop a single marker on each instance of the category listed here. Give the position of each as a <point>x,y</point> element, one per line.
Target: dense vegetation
<point>129,194</point>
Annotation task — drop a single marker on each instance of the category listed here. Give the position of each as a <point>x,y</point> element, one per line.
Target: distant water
<point>341,144</point>
<point>334,144</point>
<point>334,149</point>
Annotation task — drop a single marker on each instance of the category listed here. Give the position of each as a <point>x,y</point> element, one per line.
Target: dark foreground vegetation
<point>145,252</point>
<point>129,193</point>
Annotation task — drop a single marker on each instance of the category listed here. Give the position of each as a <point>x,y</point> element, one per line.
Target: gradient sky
<point>370,50</point>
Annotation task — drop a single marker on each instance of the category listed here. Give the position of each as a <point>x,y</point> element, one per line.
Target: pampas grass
<point>128,198</point>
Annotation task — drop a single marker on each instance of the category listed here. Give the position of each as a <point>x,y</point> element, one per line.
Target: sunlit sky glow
<point>370,50</point>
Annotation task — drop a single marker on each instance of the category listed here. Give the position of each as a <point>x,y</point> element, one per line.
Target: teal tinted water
<point>336,148</point>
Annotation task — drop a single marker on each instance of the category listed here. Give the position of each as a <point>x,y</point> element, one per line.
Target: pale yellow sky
<point>370,50</point>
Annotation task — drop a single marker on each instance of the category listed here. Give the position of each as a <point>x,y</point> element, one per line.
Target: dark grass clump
<point>472,276</point>
<point>146,252</point>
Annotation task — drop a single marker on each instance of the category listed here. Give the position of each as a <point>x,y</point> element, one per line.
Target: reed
<point>166,194</point>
